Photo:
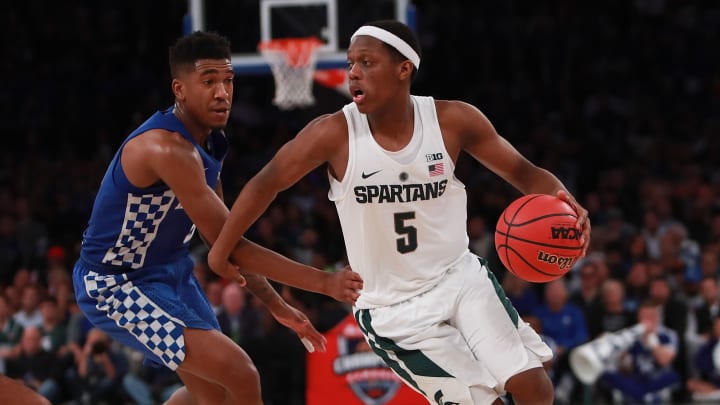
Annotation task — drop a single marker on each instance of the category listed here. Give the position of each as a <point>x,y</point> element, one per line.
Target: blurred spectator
<point>637,284</point>
<point>29,314</point>
<point>10,332</point>
<point>680,255</point>
<point>36,367</point>
<point>588,292</point>
<point>710,264</point>
<point>77,325</point>
<point>673,315</point>
<point>708,307</point>
<point>22,278</point>
<point>651,231</point>
<point>645,373</point>
<point>673,311</point>
<point>98,370</point>
<point>561,320</point>
<point>565,323</point>
<point>609,314</point>
<point>635,251</point>
<point>703,310</point>
<point>54,333</point>
<point>60,288</point>
<point>14,299</point>
<point>214,290</point>
<point>705,387</point>
<point>238,320</point>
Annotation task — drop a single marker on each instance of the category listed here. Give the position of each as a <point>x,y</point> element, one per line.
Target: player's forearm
<point>253,258</point>
<point>541,181</point>
<point>261,288</point>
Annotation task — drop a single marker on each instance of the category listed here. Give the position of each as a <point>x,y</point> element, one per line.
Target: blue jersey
<point>642,358</point>
<point>133,227</point>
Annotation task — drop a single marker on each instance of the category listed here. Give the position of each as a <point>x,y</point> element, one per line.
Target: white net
<point>292,61</point>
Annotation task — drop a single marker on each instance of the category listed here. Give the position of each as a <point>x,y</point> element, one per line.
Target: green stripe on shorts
<point>414,360</point>
<point>511,311</point>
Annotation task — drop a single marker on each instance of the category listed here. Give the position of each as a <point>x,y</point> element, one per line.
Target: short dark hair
<point>648,303</point>
<point>403,32</point>
<point>199,45</point>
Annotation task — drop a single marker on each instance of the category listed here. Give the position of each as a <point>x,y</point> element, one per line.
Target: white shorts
<point>457,343</point>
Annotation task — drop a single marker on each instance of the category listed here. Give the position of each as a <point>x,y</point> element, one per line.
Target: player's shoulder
<point>333,124</point>
<point>331,121</point>
<point>460,116</point>
<point>160,142</point>
<point>454,108</point>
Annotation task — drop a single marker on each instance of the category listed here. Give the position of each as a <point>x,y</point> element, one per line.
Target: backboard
<point>331,21</point>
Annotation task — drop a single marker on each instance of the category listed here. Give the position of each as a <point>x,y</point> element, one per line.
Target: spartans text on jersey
<point>399,193</point>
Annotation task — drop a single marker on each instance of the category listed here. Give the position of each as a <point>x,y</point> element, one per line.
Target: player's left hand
<point>299,322</point>
<point>583,222</point>
<point>344,285</point>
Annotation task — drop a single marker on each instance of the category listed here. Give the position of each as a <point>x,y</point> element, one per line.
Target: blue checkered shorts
<point>146,309</point>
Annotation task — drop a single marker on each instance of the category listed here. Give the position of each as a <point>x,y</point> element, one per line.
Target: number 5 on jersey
<point>408,242</point>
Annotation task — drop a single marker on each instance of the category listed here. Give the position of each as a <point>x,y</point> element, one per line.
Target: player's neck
<point>397,121</point>
<point>198,132</point>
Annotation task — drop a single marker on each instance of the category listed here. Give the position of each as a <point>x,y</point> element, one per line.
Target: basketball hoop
<point>292,61</point>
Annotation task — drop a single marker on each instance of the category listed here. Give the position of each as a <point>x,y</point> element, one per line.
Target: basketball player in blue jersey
<point>134,278</point>
<point>431,309</point>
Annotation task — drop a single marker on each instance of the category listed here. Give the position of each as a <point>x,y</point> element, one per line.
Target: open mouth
<point>357,95</point>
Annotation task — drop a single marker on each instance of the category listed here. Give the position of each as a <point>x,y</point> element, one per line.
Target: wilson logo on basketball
<point>565,233</point>
<point>562,262</point>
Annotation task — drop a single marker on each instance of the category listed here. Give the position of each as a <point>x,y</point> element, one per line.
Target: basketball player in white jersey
<point>429,308</point>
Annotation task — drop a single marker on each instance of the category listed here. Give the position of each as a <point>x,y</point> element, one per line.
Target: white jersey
<point>403,214</point>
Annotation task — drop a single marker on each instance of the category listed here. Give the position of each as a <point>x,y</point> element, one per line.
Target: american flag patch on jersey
<point>436,169</point>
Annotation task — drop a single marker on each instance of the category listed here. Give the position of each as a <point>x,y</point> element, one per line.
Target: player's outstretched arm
<point>467,129</point>
<point>312,147</point>
<point>168,157</point>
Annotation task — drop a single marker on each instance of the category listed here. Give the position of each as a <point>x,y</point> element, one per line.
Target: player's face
<point>209,92</point>
<point>372,72</point>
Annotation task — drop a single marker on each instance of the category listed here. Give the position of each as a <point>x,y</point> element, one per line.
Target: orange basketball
<point>536,238</point>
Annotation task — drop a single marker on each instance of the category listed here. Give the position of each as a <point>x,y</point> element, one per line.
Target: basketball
<point>536,238</point>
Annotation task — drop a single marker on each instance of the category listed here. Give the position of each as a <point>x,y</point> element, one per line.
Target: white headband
<point>390,39</point>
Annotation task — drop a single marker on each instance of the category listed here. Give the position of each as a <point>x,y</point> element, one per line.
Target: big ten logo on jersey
<point>565,233</point>
<point>350,373</point>
<point>432,157</point>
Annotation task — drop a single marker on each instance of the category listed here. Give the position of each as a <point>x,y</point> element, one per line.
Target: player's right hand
<point>344,286</point>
